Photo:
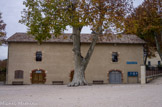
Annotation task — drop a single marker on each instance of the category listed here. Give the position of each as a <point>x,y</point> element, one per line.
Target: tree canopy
<point>2,29</point>
<point>146,22</point>
<point>43,17</point>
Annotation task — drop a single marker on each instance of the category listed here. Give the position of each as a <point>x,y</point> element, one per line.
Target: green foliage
<point>43,17</point>
<point>3,65</point>
<point>2,29</point>
<point>160,66</point>
<point>2,69</point>
<point>145,21</point>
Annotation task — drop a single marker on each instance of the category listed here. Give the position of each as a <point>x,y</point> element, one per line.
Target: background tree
<point>3,66</point>
<point>2,30</point>
<point>43,17</point>
<point>146,22</point>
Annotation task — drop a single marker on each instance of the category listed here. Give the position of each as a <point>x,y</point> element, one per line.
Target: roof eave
<point>72,42</point>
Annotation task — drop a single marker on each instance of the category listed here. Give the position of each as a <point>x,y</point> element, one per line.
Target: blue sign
<point>133,74</point>
<point>132,62</point>
<point>38,71</point>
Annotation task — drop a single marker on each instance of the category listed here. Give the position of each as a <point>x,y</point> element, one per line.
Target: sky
<point>11,14</point>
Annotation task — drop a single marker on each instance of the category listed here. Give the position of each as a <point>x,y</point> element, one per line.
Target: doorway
<point>115,77</point>
<point>38,76</point>
<point>71,75</point>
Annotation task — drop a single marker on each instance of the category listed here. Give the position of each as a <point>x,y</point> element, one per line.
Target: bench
<point>98,81</point>
<point>57,82</point>
<point>17,83</point>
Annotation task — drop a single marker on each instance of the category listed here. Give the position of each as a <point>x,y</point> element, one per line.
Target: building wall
<point>154,60</point>
<point>57,61</point>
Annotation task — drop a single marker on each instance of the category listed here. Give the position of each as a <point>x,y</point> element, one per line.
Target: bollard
<point>143,74</point>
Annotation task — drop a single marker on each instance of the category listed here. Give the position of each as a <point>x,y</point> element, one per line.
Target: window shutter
<point>19,74</point>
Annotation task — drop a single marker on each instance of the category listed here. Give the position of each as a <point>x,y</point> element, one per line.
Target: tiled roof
<point>85,38</point>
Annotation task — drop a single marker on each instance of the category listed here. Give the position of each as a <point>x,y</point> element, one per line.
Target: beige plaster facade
<point>154,60</point>
<point>57,61</point>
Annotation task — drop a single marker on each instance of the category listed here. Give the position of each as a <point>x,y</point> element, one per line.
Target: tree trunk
<point>159,50</point>
<point>80,62</point>
<point>145,59</point>
<point>79,77</point>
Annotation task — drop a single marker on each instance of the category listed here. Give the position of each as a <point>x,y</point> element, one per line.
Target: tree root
<point>77,83</point>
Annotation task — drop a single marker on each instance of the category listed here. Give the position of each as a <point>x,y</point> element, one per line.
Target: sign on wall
<point>132,62</point>
<point>38,71</point>
<point>132,74</point>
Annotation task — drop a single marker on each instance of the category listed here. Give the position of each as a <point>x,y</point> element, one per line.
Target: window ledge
<point>115,62</point>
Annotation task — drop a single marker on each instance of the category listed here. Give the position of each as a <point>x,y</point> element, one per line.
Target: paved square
<point>123,95</point>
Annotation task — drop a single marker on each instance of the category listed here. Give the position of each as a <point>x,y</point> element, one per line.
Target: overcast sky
<point>11,14</point>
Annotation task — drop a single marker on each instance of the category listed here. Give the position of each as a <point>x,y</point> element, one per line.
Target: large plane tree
<point>46,17</point>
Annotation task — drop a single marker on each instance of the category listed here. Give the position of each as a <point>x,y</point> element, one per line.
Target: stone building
<point>154,61</point>
<point>116,59</point>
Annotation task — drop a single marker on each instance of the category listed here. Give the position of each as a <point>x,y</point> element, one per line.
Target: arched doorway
<point>38,76</point>
<point>115,77</point>
<point>71,75</point>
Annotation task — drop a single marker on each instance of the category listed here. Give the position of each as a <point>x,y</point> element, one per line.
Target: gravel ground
<point>123,95</point>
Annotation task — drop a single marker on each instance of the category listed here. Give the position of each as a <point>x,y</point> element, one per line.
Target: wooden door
<point>37,77</point>
<point>71,75</point>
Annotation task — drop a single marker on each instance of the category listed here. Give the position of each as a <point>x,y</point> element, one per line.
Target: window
<point>114,57</point>
<point>39,56</point>
<point>149,63</point>
<point>19,74</point>
<point>159,63</point>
